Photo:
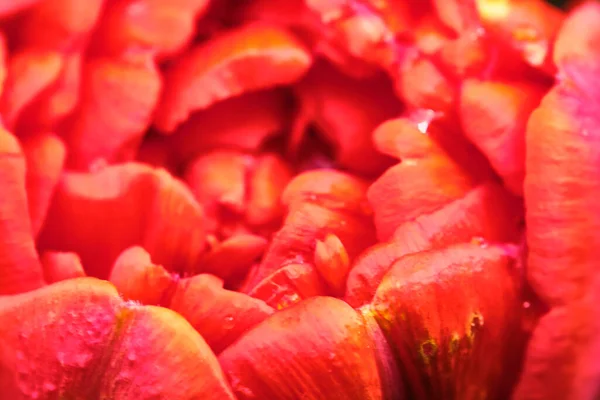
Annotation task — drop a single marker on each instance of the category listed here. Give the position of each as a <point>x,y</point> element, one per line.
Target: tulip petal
<point>332,262</point>
<point>317,349</point>
<point>346,111</point>
<point>288,285</point>
<point>8,7</point>
<point>155,25</point>
<point>61,25</point>
<point>115,109</point>
<point>485,213</point>
<point>221,316</point>
<point>29,73</point>
<point>233,257</point>
<point>100,214</point>
<point>269,179</point>
<point>20,269</point>
<point>246,59</point>
<point>137,278</point>
<point>447,312</point>
<point>494,116</point>
<point>45,155</point>
<point>80,340</point>
<point>561,191</point>
<point>61,266</point>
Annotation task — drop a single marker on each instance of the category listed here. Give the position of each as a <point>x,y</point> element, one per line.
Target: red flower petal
<point>61,266</point>
<point>333,263</point>
<point>80,340</point>
<point>486,213</point>
<point>287,286</point>
<point>29,73</point>
<point>561,192</point>
<point>269,178</point>
<point>61,25</point>
<point>20,270</point>
<point>317,349</point>
<point>347,111</point>
<point>233,257</point>
<point>220,316</point>
<point>447,313</point>
<point>117,102</point>
<point>250,58</point>
<point>412,188</point>
<point>529,27</point>
<point>8,7</point>
<point>494,116</point>
<point>155,25</point>
<point>99,214</point>
<point>45,155</point>
<point>137,278</point>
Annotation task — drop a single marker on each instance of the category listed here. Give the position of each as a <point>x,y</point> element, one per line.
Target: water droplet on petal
<point>49,387</point>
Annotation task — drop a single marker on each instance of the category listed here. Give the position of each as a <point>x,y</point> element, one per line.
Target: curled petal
<point>305,224</point>
<point>61,266</point>
<point>20,269</point>
<point>61,25</point>
<point>318,349</point>
<point>249,58</point>
<point>100,214</point>
<point>330,188</point>
<point>58,100</point>
<point>8,7</point>
<point>116,106</point>
<point>332,262</point>
<point>289,285</point>
<point>155,25</point>
<point>45,155</point>
<point>137,278</point>
<point>233,257</point>
<point>446,312</point>
<point>561,192</point>
<point>29,73</point>
<point>415,187</point>
<point>218,181</point>
<point>529,27</point>
<point>486,213</point>
<point>265,113</point>
<point>269,179</point>
<point>347,110</point>
<point>494,116</point>
<point>422,85</point>
<point>220,316</point>
<point>80,340</point>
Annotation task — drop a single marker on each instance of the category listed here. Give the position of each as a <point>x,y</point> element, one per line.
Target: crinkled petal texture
<point>448,312</point>
<point>319,348</point>
<point>487,213</point>
<point>78,339</point>
<point>249,58</point>
<point>319,202</point>
<point>99,214</point>
<point>563,220</point>
<point>118,99</point>
<point>20,269</point>
<point>219,315</point>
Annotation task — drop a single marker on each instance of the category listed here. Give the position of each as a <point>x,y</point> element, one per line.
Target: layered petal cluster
<point>302,199</point>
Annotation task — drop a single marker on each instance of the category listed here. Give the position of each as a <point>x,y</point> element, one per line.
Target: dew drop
<point>82,359</point>
<point>131,356</point>
<point>98,165</point>
<point>228,322</point>
<point>526,304</point>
